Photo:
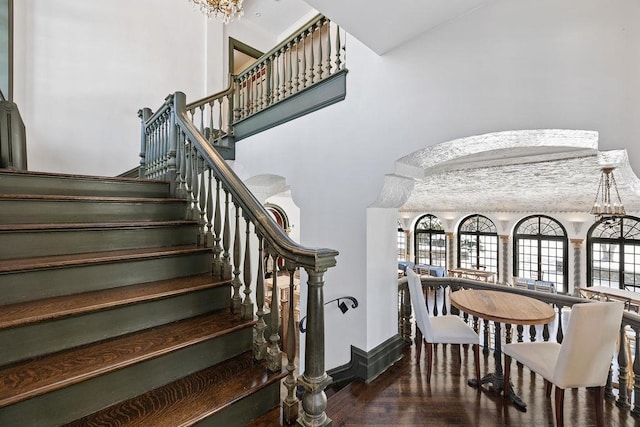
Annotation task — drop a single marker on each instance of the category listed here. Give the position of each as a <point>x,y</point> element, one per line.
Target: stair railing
<point>314,53</point>
<point>199,159</point>
<point>311,55</point>
<point>181,144</point>
<point>175,149</point>
<point>213,115</point>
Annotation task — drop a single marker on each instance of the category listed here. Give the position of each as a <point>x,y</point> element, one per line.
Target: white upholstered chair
<point>440,329</point>
<point>582,360</point>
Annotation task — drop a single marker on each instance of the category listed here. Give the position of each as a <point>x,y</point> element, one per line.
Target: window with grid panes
<point>613,255</point>
<point>540,248</point>
<point>430,241</point>
<point>478,244</point>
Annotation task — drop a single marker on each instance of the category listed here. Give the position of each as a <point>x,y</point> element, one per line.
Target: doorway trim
<point>241,47</point>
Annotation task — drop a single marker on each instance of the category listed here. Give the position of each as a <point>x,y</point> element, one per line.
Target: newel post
<point>232,104</point>
<point>234,107</point>
<point>178,169</point>
<point>143,114</point>
<point>173,143</point>
<point>315,378</point>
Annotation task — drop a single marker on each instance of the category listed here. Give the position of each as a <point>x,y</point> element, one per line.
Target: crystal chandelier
<point>221,9</point>
<point>603,206</point>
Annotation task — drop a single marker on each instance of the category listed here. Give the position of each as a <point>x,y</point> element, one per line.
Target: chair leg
<point>429,361</point>
<point>476,360</point>
<point>598,400</point>
<point>507,376</point>
<point>547,388</point>
<point>418,344</point>
<point>559,407</point>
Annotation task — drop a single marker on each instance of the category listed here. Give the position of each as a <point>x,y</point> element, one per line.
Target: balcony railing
<point>310,57</point>
<point>625,368</point>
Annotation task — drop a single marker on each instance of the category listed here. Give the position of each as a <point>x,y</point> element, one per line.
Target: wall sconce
<point>341,305</point>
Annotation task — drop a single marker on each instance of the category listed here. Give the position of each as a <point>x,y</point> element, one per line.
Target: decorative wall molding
<point>368,365</point>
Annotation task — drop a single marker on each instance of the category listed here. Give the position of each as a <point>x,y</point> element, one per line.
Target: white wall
<point>83,69</point>
<point>510,65</point>
<point>249,34</point>
<point>382,273</point>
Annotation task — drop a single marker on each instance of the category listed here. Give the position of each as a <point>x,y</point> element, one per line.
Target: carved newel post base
<point>314,401</point>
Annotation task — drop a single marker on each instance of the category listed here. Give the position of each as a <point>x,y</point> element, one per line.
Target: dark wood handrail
<point>310,258</point>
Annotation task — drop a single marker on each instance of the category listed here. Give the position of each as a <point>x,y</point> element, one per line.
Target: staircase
<point>110,314</point>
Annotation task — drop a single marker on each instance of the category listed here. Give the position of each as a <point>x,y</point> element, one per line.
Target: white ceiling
<point>379,25</point>
<point>384,25</point>
<point>515,171</point>
<point>274,16</point>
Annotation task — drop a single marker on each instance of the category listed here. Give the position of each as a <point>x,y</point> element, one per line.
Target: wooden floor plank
<point>401,397</point>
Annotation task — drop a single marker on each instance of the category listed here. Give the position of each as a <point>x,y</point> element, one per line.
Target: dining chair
<point>448,329</point>
<point>582,360</point>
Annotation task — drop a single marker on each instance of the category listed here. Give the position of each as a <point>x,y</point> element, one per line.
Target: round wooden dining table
<point>502,307</point>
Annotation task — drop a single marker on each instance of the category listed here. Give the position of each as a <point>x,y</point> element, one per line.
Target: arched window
<point>430,241</point>
<point>613,255</point>
<point>478,244</point>
<point>279,215</point>
<point>540,248</point>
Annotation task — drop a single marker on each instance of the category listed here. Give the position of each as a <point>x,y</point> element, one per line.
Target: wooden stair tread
<point>106,199</point>
<point>189,399</point>
<point>69,260</point>
<point>21,314</point>
<point>77,176</point>
<point>31,378</point>
<point>93,225</point>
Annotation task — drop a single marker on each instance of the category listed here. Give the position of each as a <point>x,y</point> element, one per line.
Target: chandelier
<point>221,9</point>
<point>603,205</point>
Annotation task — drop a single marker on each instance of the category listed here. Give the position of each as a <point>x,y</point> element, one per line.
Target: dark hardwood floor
<point>401,397</point>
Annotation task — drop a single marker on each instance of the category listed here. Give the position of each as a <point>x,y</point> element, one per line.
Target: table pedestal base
<point>497,385</point>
